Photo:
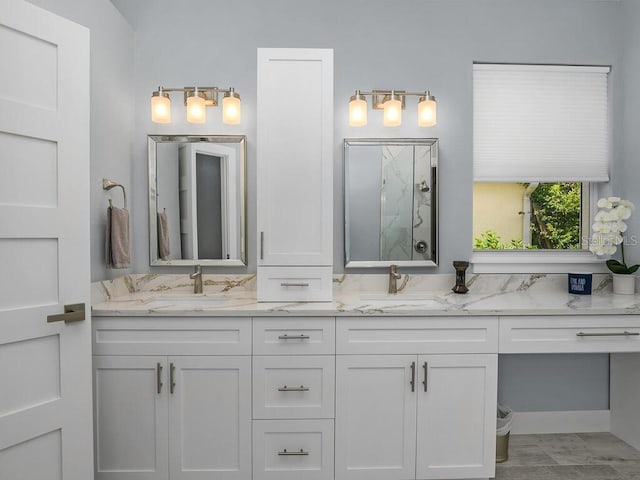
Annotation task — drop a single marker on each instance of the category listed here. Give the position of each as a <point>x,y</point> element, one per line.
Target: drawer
<point>294,335</point>
<point>417,335</point>
<point>292,449</point>
<point>569,334</point>
<point>293,387</point>
<point>171,336</point>
<point>295,284</point>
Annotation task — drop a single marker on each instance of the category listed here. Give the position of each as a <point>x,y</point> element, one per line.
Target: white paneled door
<point>45,368</point>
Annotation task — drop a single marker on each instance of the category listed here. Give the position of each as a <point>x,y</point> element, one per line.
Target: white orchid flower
<point>604,203</point>
<point>621,226</point>
<point>601,227</point>
<point>622,212</point>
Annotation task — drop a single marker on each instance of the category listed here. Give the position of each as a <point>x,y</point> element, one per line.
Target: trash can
<point>503,427</point>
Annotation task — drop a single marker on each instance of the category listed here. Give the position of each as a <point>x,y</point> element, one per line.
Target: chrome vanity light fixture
<point>196,100</point>
<point>392,102</point>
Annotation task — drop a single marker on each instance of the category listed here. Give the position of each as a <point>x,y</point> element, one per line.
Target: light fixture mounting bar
<point>378,97</point>
<point>209,94</point>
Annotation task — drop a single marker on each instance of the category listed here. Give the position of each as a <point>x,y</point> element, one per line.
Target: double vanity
<point>295,373</point>
<point>369,386</point>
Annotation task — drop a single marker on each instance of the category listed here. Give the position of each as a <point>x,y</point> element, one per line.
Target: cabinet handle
<point>285,453</point>
<point>413,377</point>
<point>172,379</point>
<point>289,284</point>
<point>608,334</point>
<point>302,336</point>
<point>159,377</point>
<point>261,245</point>
<point>425,367</point>
<point>301,388</point>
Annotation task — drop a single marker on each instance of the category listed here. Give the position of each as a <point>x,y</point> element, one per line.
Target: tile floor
<point>580,456</point>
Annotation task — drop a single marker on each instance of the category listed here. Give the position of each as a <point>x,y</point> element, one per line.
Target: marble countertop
<point>361,295</point>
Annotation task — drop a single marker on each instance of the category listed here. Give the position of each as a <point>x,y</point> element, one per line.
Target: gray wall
<point>112,130</point>
<point>423,44</point>
<point>168,196</point>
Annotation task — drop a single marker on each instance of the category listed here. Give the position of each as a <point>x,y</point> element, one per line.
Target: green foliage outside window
<point>555,220</point>
<point>490,240</point>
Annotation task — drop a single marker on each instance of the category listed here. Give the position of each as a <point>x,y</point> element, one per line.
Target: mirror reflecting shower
<point>390,202</point>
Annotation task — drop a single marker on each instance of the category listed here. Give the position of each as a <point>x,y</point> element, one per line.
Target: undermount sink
<point>382,300</point>
<point>400,297</point>
<point>195,301</point>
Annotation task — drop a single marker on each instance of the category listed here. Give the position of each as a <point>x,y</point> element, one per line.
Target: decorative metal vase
<point>461,267</point>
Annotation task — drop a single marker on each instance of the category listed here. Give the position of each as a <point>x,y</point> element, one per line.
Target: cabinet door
<point>130,415</point>
<point>375,417</point>
<point>456,416</point>
<point>295,156</point>
<point>210,417</point>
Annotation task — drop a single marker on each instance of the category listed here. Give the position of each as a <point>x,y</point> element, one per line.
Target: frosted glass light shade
<point>231,109</point>
<point>196,110</point>
<point>392,113</point>
<point>160,108</point>
<point>357,112</point>
<point>427,111</point>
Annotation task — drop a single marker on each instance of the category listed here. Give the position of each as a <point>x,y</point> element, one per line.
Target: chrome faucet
<point>393,276</point>
<point>196,276</point>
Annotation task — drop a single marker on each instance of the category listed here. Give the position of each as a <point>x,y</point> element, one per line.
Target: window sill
<point>541,261</point>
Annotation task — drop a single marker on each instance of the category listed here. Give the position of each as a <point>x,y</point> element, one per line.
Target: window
<point>540,149</point>
<point>533,216</point>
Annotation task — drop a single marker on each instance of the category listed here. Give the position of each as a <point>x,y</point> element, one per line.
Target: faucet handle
<point>393,271</point>
<point>197,272</point>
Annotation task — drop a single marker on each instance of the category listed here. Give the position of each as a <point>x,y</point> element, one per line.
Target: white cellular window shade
<point>540,123</point>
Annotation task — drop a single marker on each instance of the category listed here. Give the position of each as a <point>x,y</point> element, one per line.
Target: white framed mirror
<point>197,200</point>
<point>391,200</point>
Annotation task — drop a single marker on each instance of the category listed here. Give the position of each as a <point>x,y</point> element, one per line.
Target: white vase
<point>624,284</point>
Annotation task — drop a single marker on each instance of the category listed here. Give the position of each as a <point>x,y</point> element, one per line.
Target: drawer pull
<point>302,336</point>
<point>301,388</point>
<point>285,453</point>
<point>608,334</point>
<point>290,284</point>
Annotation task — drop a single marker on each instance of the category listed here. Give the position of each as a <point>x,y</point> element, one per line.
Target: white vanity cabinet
<point>130,418</point>
<point>170,414</point>
<point>295,174</point>
<point>293,398</point>
<point>403,412</point>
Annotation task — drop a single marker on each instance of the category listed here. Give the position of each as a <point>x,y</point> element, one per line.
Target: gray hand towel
<point>117,241</point>
<point>164,249</point>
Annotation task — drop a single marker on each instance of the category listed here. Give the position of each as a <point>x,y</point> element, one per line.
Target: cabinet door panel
<point>295,156</point>
<point>456,416</point>
<point>375,418</point>
<point>130,418</point>
<point>210,418</point>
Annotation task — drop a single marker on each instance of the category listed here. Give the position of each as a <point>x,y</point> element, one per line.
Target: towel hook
<point>109,184</point>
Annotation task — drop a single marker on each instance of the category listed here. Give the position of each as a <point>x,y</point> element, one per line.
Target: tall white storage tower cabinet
<point>295,174</point>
